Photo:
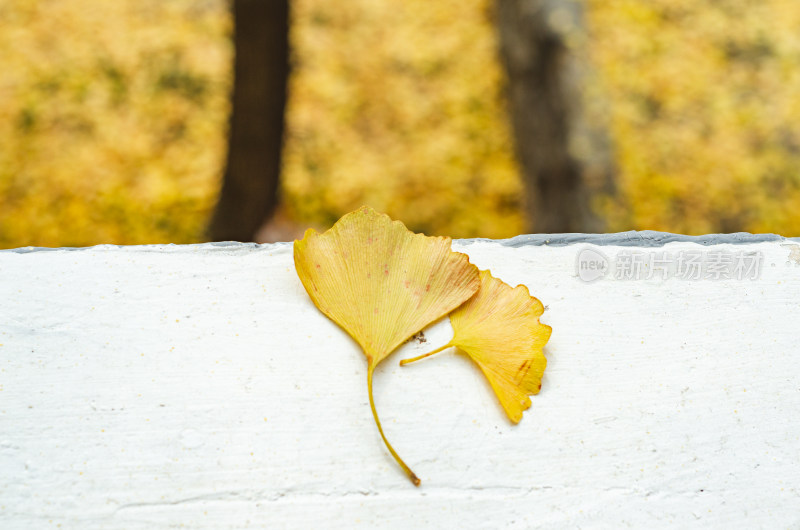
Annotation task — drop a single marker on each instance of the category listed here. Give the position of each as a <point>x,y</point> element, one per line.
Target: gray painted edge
<point>644,238</point>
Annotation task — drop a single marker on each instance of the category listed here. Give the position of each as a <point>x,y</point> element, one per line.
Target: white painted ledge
<point>197,386</point>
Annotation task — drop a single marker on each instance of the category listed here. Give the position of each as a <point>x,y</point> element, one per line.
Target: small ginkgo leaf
<point>499,329</point>
<point>382,284</point>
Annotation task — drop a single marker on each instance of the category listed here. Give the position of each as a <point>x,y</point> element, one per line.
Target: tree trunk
<point>537,45</point>
<point>250,187</point>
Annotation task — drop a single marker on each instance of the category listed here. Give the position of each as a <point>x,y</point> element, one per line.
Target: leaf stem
<point>437,350</point>
<point>407,469</point>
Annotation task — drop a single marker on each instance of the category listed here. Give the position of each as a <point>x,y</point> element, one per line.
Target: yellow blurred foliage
<point>399,105</point>
<point>112,119</point>
<point>113,116</point>
<point>704,102</point>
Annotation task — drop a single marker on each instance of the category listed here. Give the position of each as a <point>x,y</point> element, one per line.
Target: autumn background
<point>683,117</point>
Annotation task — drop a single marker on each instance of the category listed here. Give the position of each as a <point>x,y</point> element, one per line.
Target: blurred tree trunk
<point>261,68</point>
<point>538,44</point>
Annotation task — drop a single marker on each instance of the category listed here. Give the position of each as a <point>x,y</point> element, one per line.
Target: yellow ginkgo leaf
<point>382,284</point>
<point>499,329</point>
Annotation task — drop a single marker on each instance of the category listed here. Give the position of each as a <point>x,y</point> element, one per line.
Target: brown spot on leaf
<point>524,366</point>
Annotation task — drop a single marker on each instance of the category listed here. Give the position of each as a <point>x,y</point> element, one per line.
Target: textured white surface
<point>157,387</point>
